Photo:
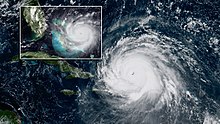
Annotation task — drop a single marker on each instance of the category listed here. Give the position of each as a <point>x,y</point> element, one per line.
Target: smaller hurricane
<point>75,35</point>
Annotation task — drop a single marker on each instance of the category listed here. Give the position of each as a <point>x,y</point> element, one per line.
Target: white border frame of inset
<point>58,56</point>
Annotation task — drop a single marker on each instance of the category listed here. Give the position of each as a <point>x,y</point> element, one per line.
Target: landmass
<point>35,18</point>
<point>68,92</point>
<point>9,117</point>
<point>62,65</point>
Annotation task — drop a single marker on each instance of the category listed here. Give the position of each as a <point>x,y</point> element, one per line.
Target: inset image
<point>60,32</point>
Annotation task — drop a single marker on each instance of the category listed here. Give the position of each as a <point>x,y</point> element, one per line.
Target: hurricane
<point>139,70</point>
<point>77,34</point>
<point>145,76</point>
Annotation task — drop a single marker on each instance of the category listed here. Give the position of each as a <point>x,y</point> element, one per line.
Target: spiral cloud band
<point>77,35</point>
<point>81,35</point>
<point>135,69</point>
<point>145,77</point>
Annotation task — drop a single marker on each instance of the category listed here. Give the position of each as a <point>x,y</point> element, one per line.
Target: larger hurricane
<point>136,69</point>
<point>143,78</point>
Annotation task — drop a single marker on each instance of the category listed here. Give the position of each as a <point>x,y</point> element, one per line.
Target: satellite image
<point>110,62</point>
<point>64,32</point>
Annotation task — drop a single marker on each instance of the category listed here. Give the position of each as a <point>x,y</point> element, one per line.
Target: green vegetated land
<point>35,18</point>
<point>9,117</point>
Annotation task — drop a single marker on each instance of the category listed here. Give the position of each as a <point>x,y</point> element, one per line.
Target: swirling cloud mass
<point>135,69</point>
<point>136,77</point>
<point>145,77</point>
<point>132,74</point>
<point>76,35</point>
